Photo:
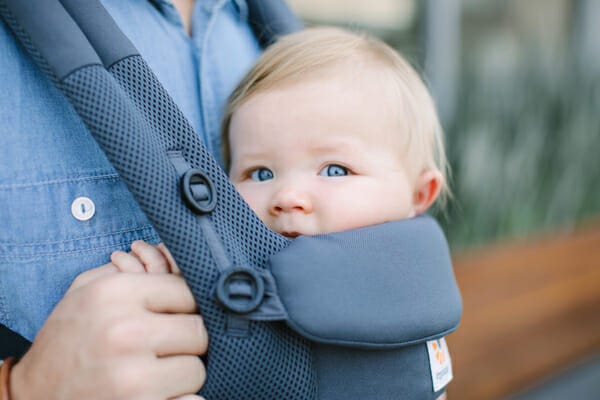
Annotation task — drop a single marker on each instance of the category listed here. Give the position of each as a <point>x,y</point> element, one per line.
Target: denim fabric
<point>48,159</point>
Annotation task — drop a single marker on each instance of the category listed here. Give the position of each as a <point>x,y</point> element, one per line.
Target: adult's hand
<point>120,336</point>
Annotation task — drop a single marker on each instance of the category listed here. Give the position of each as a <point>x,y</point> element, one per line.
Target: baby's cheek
<point>256,199</point>
<point>357,212</point>
<point>348,214</point>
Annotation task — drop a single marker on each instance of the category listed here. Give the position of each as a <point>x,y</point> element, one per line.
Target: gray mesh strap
<point>136,123</point>
<point>270,308</point>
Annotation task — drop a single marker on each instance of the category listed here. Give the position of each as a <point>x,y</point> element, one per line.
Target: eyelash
<point>254,174</point>
<point>326,168</point>
<point>250,174</point>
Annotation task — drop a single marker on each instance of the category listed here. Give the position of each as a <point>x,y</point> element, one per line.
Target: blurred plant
<point>524,151</point>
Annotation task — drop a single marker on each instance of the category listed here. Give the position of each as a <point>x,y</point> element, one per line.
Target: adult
<point>64,210</point>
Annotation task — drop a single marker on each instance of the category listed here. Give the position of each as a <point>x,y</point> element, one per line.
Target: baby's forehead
<point>352,70</point>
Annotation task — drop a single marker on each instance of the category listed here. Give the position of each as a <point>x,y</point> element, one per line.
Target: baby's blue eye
<point>261,174</point>
<point>334,170</point>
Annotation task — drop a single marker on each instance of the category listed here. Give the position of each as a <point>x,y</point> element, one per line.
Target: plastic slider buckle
<point>198,191</point>
<point>240,290</point>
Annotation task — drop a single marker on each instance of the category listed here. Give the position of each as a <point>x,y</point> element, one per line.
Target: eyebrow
<point>339,145</point>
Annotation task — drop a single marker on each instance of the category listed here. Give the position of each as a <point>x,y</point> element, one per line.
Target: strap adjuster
<point>240,290</point>
<point>198,191</point>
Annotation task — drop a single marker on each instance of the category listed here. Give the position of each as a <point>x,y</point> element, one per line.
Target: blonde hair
<point>303,53</point>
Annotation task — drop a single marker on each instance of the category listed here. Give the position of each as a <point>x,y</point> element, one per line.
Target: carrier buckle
<point>240,290</point>
<point>198,191</point>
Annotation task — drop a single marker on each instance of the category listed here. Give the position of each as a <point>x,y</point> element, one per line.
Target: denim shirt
<point>63,208</point>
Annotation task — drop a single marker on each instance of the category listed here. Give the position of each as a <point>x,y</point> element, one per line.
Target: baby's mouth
<point>291,235</point>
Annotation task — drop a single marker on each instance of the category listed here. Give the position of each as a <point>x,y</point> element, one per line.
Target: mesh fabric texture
<point>136,123</point>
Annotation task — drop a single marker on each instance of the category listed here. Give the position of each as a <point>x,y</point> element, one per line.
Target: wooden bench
<point>530,309</point>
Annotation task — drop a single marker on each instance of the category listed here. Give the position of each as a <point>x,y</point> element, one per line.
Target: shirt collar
<point>242,8</point>
<point>167,8</point>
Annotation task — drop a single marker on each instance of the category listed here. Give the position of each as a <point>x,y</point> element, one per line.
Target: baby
<point>330,131</point>
<point>333,130</point>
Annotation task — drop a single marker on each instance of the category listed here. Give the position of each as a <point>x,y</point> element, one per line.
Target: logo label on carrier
<point>440,363</point>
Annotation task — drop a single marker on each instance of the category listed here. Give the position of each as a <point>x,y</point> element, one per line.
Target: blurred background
<point>517,85</point>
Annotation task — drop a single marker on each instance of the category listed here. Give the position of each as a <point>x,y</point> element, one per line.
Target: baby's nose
<point>290,199</point>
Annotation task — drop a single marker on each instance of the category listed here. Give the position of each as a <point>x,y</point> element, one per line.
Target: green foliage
<point>524,152</point>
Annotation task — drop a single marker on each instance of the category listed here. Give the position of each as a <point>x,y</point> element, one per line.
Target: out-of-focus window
<point>379,14</point>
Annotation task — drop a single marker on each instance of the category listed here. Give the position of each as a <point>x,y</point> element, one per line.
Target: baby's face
<point>320,156</point>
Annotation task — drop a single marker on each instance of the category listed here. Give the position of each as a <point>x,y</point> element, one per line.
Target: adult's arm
<point>122,336</point>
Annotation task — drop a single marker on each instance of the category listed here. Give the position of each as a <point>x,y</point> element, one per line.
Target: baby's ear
<point>427,189</point>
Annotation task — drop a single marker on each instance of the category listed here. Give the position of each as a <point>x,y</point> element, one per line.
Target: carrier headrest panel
<point>383,286</point>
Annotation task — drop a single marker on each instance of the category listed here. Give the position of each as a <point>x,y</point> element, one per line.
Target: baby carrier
<point>326,317</point>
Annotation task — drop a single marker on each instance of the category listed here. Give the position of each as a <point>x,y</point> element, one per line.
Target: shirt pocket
<point>52,231</point>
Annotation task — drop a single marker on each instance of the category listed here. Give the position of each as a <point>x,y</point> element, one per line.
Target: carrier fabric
<point>262,365</point>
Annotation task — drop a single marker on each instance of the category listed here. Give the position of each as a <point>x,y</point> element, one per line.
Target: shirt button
<point>83,208</point>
